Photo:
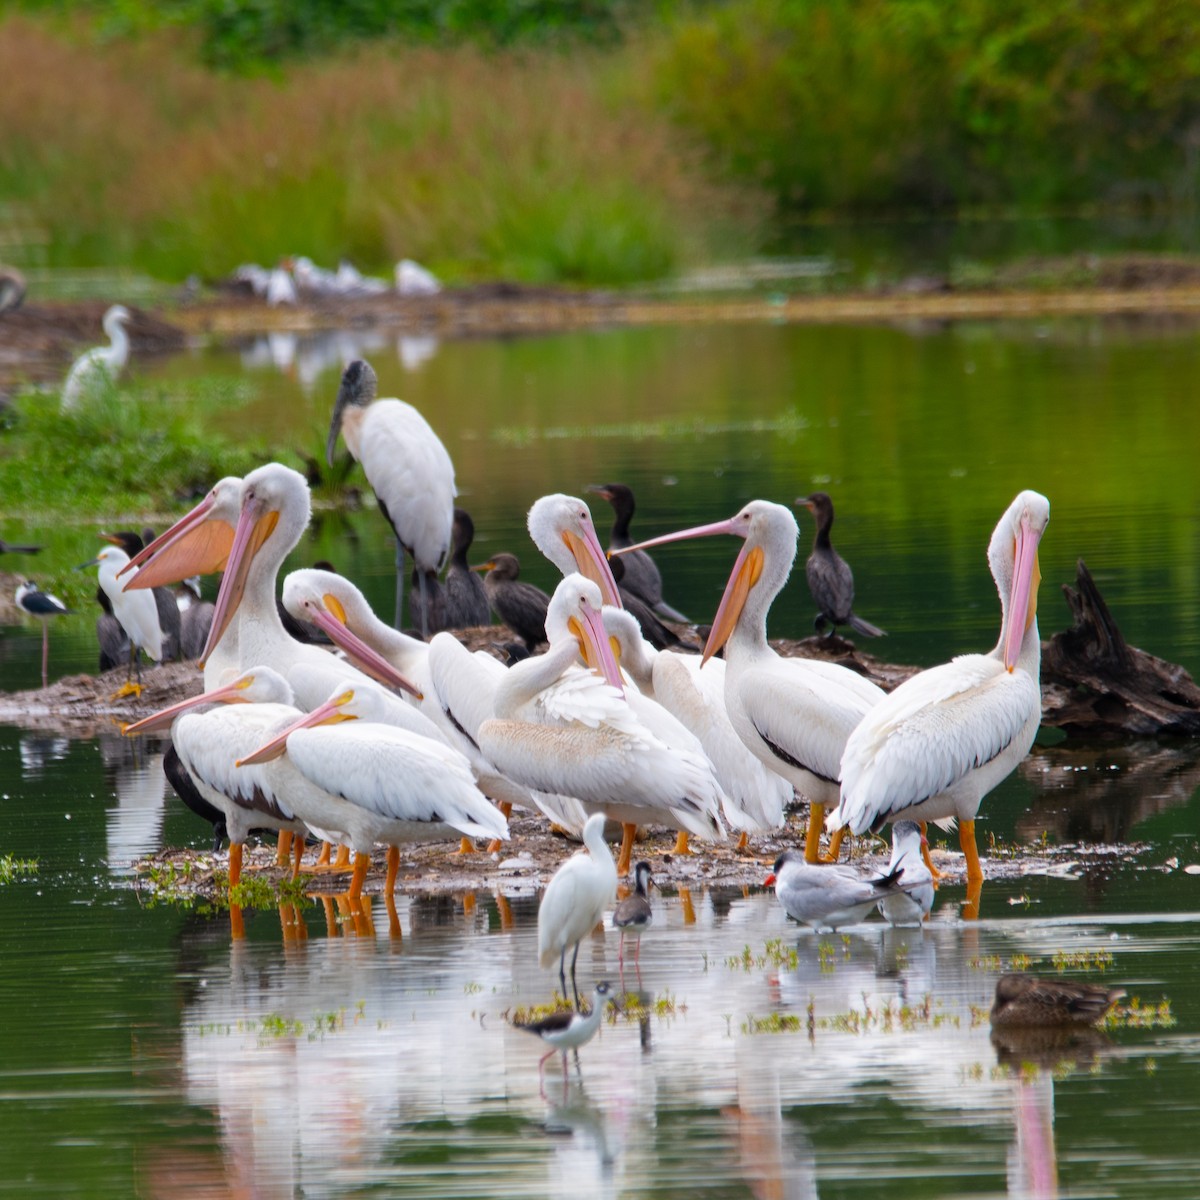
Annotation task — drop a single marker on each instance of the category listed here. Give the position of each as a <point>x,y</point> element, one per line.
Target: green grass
<point>548,167</point>
<point>124,449</point>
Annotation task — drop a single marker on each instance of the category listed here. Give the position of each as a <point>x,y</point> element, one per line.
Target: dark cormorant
<point>829,576</point>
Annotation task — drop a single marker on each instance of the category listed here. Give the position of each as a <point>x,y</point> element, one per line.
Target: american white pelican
<point>754,796</point>
<point>563,1031</point>
<point>281,287</point>
<point>633,916</point>
<point>1025,1001</point>
<point>642,576</point>
<point>575,900</point>
<point>828,896</point>
<point>378,783</point>
<point>520,605</point>
<point>912,906</point>
<point>945,737</point>
<point>246,711</point>
<point>99,367</point>
<point>561,528</point>
<point>794,714</point>
<point>339,609</point>
<point>273,512</point>
<point>197,544</point>
<point>406,465</point>
<point>564,730</point>
<point>136,611</point>
<point>830,579</point>
<point>412,279</point>
<point>42,605</point>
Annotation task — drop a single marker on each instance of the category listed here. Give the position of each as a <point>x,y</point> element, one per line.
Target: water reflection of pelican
<point>38,750</point>
<point>777,1158</point>
<point>134,827</point>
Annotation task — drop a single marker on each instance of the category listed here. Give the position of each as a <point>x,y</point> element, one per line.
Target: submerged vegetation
<point>594,141</point>
<point>12,867</point>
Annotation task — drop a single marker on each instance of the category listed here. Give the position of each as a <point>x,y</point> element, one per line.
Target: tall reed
<point>542,167</point>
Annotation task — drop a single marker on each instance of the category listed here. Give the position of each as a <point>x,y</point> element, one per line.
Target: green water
<point>921,435</point>
<point>143,1052</point>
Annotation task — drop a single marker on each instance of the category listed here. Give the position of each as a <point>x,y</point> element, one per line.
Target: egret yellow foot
<point>129,688</point>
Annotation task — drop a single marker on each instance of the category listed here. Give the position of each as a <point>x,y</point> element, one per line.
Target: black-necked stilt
<point>41,604</point>
<point>828,896</point>
<point>575,900</point>
<point>563,1031</point>
<point>633,917</point>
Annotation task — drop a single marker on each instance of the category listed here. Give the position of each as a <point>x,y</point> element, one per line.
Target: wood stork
<point>406,465</point>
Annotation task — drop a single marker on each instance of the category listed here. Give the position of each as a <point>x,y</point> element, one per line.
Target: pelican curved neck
<point>750,633</point>
<point>528,679</point>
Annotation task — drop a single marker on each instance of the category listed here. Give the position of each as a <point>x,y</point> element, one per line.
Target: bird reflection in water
<point>588,1145</point>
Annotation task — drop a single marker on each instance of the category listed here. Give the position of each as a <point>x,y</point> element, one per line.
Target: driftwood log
<point>1095,684</point>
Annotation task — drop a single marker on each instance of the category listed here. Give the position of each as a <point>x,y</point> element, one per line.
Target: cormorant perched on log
<point>520,605</point>
<point>642,576</point>
<point>829,576</point>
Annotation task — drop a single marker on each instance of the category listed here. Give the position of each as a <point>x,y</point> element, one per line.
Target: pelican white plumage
<point>575,901</point>
<point>380,784</point>
<point>273,512</point>
<point>100,366</point>
<point>913,905</point>
<point>137,613</point>
<point>793,714</point>
<point>560,729</point>
<point>406,465</point>
<point>197,544</point>
<point>456,696</point>
<point>947,736</point>
<point>244,712</point>
<point>561,528</point>
<point>412,279</point>
<point>754,797</point>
